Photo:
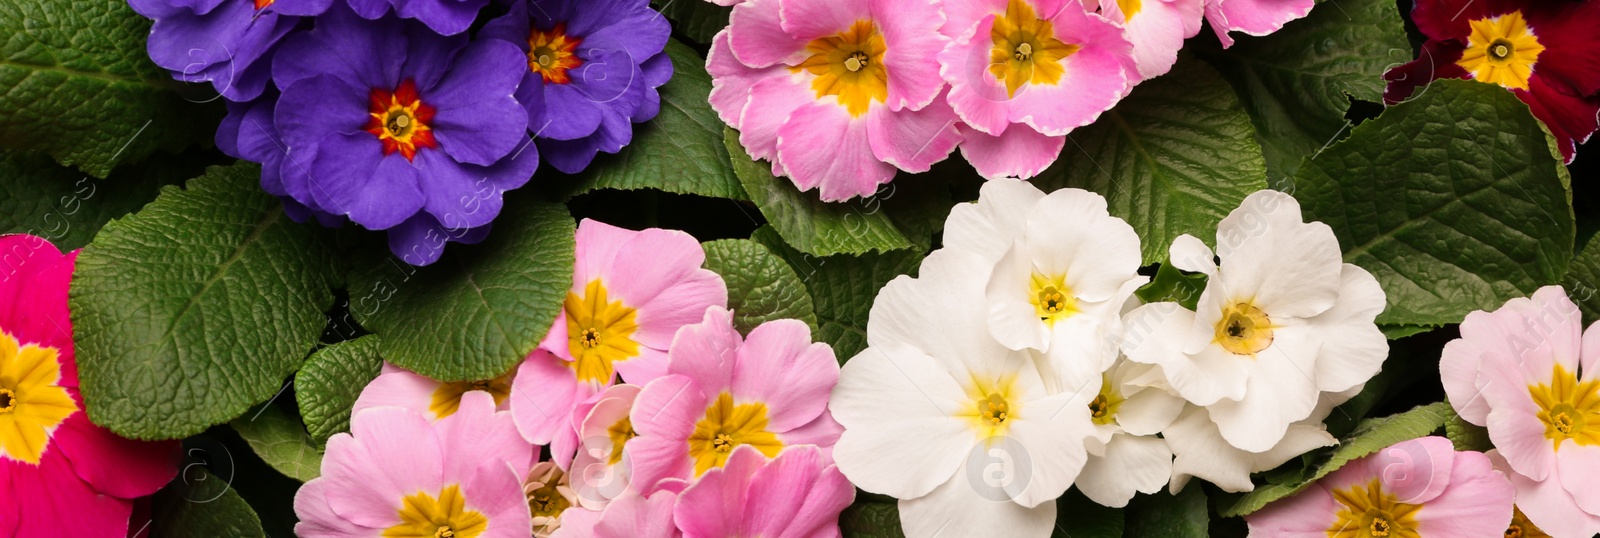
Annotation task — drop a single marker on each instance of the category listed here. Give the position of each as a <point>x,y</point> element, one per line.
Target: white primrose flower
<point>1282,320</point>
<point>1134,404</point>
<point>1059,268</point>
<point>965,432</point>
<point>1200,450</point>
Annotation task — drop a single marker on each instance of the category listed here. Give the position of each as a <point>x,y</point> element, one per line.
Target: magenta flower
<point>60,475</point>
<point>798,494</point>
<point>1421,487</point>
<point>1531,375</point>
<point>1044,64</point>
<point>631,291</point>
<point>399,474</point>
<point>723,391</point>
<point>838,94</point>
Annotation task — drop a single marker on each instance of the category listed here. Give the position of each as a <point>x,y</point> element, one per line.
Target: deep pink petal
<point>1254,17</point>
<point>772,101</point>
<point>34,277</point>
<point>913,140</point>
<point>52,501</point>
<point>806,20</point>
<point>757,39</point>
<point>910,30</point>
<point>113,465</point>
<point>1020,152</point>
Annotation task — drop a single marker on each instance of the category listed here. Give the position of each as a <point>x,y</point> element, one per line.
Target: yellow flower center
<point>726,426</point>
<point>447,398</point>
<point>1129,8</point>
<point>547,501</point>
<point>32,403</point>
<point>1052,299</point>
<point>1522,528</point>
<point>620,434</point>
<point>551,53</point>
<point>1025,49</point>
<point>1103,410</point>
<point>1569,409</point>
<point>849,65</point>
<point>600,333</point>
<point>1501,50</point>
<point>1367,511</point>
<point>445,516</point>
<point>991,406</point>
<point>1244,329</point>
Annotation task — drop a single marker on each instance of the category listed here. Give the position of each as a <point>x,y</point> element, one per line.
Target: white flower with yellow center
<point>1133,405</point>
<point>1059,270</point>
<point>1200,451</point>
<point>964,431</point>
<point>1281,321</point>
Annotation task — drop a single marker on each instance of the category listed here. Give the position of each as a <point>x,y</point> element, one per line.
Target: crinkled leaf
<point>67,207</point>
<point>75,83</point>
<point>281,441</point>
<point>481,308</point>
<point>1169,516</point>
<point>681,149</point>
<point>811,225</point>
<point>761,287</point>
<point>698,19</point>
<point>200,504</point>
<point>1297,83</point>
<point>842,288</point>
<point>1466,435</point>
<point>1370,436</point>
<point>866,519</point>
<point>196,307</point>
<point>1583,281</point>
<point>1173,158</point>
<point>1396,332</point>
<point>327,386</point>
<point>1172,285</point>
<point>1456,201</point>
<point>1079,517</point>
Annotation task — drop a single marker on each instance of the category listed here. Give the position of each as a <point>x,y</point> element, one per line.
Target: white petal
<point>1131,464</point>
<point>901,437</point>
<point>1154,334</point>
<point>1071,233</point>
<point>987,227</point>
<point>955,509</point>
<point>1191,254</point>
<point>1013,320</point>
<point>1353,349</point>
<point>1052,432</point>
<point>1280,392</point>
<point>939,312</point>
<point>1290,267</point>
<point>1148,410</point>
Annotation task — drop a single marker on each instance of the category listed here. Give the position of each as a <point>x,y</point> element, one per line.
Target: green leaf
<point>281,441</point>
<point>75,83</point>
<point>67,207</point>
<point>1466,435</point>
<point>698,19</point>
<point>811,225</point>
<point>481,308</point>
<point>1079,517</point>
<point>761,286</point>
<point>1456,201</point>
<point>842,288</point>
<point>1396,332</point>
<point>681,149</point>
<point>1169,516</point>
<point>1583,281</point>
<point>866,519</point>
<point>327,386</point>
<point>1369,437</point>
<point>202,505</point>
<point>1173,158</point>
<point>1172,285</point>
<point>1297,83</point>
<point>196,307</point>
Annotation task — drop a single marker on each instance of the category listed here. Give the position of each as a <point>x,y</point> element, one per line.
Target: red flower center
<point>262,4</point>
<point>552,53</point>
<point>400,120</point>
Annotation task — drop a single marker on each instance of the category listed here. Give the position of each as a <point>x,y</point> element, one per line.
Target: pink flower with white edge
<point>399,387</point>
<point>769,391</point>
<point>1421,487</point>
<point>601,467</point>
<point>1254,17</point>
<point>1047,65</point>
<point>800,494</point>
<point>838,94</point>
<point>399,474</point>
<point>631,291</point>
<point>1530,374</point>
<point>1156,28</point>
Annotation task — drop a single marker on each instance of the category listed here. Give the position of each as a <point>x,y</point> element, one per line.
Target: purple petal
<point>479,121</point>
<point>353,177</point>
<point>448,17</point>
<point>317,106</point>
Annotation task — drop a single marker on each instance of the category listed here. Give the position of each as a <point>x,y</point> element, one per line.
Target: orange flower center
<point>400,120</point>
<point>551,53</point>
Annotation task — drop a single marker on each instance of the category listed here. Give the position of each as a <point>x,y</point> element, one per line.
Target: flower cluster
<point>1547,53</point>
<point>392,115</point>
<point>840,94</point>
<point>1529,373</point>
<point>60,475</point>
<point>1021,347</point>
<point>658,419</point>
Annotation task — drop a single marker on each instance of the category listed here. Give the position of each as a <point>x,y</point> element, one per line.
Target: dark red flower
<point>1547,52</point>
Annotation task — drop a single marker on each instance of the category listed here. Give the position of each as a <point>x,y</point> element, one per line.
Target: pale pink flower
<point>799,494</point>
